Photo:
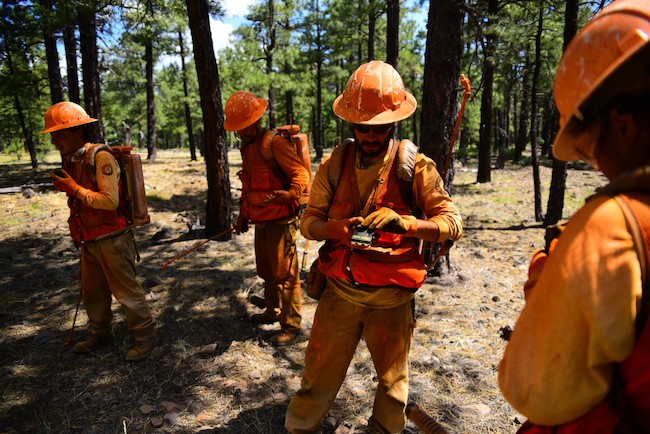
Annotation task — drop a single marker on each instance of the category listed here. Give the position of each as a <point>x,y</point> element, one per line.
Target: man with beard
<point>369,290</point>
<point>273,178</point>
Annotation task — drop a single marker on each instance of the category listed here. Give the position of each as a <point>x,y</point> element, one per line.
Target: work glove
<point>279,197</point>
<point>63,182</point>
<point>388,220</point>
<point>341,229</point>
<point>241,226</point>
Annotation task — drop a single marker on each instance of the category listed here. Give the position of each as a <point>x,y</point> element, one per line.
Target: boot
<point>139,350</point>
<point>92,343</point>
<point>284,337</point>
<point>142,345</point>
<point>267,317</point>
<point>257,301</point>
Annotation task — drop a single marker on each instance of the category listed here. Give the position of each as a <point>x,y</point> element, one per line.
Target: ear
<point>623,125</point>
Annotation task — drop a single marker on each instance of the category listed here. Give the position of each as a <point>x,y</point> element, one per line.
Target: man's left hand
<point>388,220</point>
<point>65,183</point>
<point>279,197</point>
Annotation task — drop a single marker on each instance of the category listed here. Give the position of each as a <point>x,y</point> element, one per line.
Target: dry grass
<point>215,372</point>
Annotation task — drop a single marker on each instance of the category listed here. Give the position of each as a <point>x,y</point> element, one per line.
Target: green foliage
<point>331,33</point>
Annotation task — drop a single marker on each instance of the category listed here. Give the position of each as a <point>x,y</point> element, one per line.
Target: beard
<point>372,149</point>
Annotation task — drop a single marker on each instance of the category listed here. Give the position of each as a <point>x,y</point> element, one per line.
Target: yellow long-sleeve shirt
<point>107,173</point>
<point>429,195</point>
<point>579,314</point>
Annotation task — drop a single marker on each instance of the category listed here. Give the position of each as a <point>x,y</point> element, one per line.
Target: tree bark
<point>70,44</point>
<point>555,205</point>
<point>216,154</point>
<point>52,55</point>
<point>270,51</point>
<point>484,146</point>
<point>392,32</point>
<point>151,96</point>
<point>90,69</point>
<point>441,81</point>
<point>27,134</point>
<point>522,137</point>
<point>533,119</point>
<point>186,105</point>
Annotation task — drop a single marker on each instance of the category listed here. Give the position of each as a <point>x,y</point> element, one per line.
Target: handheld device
<point>361,237</point>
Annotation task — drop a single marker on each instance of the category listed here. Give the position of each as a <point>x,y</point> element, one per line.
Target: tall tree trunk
<point>52,55</point>
<point>70,44</point>
<point>290,117</point>
<point>318,130</point>
<point>151,102</point>
<point>522,137</point>
<point>555,205</point>
<point>90,69</point>
<point>484,147</point>
<point>534,117</point>
<point>372,21</point>
<point>29,140</point>
<point>392,32</point>
<point>441,78</point>
<point>152,150</point>
<point>186,103</point>
<point>216,153</point>
<point>269,62</point>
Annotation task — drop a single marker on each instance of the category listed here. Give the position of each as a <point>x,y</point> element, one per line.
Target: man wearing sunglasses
<point>370,279</point>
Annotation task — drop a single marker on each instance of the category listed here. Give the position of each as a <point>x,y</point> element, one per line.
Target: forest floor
<point>213,371</point>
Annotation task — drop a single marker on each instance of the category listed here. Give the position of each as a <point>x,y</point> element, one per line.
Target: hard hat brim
<point>629,74</point>
<point>230,125</point>
<point>351,114</point>
<point>67,125</point>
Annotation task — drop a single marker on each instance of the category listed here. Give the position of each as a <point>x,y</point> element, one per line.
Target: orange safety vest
<point>393,259</point>
<point>259,179</point>
<point>626,409</point>
<point>87,223</point>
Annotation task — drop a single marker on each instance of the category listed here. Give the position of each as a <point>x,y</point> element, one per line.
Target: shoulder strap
<point>266,149</point>
<point>94,149</point>
<point>337,162</point>
<point>406,156</point>
<point>637,214</point>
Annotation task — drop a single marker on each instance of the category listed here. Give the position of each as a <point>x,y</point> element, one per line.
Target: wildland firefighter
<point>578,360</point>
<point>91,178</point>
<point>370,257</point>
<point>273,178</point>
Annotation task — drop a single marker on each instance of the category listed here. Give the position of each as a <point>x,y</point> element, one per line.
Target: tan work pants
<point>338,326</point>
<point>276,260</point>
<point>108,268</point>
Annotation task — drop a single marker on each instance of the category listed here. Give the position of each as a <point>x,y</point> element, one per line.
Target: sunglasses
<point>377,129</point>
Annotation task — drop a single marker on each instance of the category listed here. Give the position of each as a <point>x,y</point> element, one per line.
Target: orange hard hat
<point>243,110</point>
<point>608,57</point>
<point>374,95</point>
<point>64,115</point>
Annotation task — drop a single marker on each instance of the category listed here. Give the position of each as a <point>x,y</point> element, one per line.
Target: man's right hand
<point>64,182</point>
<point>341,229</point>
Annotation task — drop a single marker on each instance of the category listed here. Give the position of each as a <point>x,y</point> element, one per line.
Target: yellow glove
<point>63,182</point>
<point>388,220</point>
